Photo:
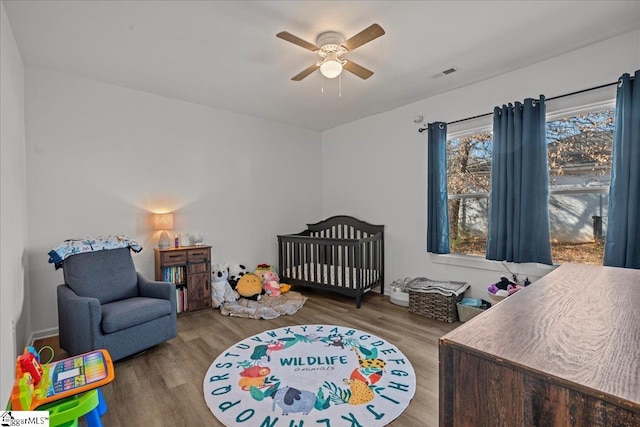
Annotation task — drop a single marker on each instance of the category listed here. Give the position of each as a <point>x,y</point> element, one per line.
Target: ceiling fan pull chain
<point>322,86</point>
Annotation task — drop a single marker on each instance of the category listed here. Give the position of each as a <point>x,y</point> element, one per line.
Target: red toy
<point>30,362</point>
<point>37,384</point>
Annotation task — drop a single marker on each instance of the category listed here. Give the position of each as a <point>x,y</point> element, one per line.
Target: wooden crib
<point>341,254</point>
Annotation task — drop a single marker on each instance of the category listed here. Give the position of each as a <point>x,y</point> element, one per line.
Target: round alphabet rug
<point>310,375</point>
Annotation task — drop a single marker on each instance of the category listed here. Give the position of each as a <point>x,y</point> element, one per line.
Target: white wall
<point>375,168</point>
<point>14,316</point>
<point>101,158</point>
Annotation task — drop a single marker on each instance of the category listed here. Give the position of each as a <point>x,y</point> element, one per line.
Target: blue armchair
<point>105,303</point>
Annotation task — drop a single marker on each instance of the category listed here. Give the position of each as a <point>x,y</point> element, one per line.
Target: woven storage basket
<point>466,313</point>
<point>434,305</point>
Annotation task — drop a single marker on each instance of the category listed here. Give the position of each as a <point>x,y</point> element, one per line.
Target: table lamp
<point>163,222</point>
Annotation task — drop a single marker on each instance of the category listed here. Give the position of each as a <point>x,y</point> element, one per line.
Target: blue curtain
<point>519,195</point>
<point>437,197</point>
<point>622,244</point>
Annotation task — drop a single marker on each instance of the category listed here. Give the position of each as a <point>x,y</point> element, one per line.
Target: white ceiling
<point>225,54</point>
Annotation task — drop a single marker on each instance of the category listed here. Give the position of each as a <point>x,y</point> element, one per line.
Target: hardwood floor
<point>163,386</point>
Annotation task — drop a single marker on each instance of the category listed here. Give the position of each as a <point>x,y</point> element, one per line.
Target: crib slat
<point>349,261</point>
<point>343,267</point>
<point>290,257</point>
<point>317,264</point>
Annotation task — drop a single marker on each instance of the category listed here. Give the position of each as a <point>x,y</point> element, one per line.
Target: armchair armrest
<point>153,289</point>
<point>78,321</point>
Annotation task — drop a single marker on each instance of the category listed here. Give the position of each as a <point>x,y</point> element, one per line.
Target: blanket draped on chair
<point>90,244</point>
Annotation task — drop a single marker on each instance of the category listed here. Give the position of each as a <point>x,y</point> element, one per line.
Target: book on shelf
<point>181,299</point>
<point>175,275</point>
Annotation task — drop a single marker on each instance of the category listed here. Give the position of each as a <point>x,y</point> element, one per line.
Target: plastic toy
<point>66,412</point>
<point>30,362</point>
<point>37,384</point>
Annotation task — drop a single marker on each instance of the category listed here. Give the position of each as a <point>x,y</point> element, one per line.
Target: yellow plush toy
<point>250,286</point>
<point>284,287</point>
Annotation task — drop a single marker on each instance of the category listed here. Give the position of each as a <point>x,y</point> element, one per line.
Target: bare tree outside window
<point>580,145</point>
<point>468,174</point>
<point>579,148</point>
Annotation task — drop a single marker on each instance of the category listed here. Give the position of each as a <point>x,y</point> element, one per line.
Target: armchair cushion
<point>105,275</point>
<point>130,312</point>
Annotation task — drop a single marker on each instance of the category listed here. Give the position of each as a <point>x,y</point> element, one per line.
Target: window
<point>579,146</point>
<point>468,181</point>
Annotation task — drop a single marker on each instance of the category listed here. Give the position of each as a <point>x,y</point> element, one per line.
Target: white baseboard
<point>46,333</point>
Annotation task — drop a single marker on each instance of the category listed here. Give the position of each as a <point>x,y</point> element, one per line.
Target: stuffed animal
<point>250,287</point>
<point>221,291</point>
<point>261,269</point>
<point>284,287</point>
<point>271,283</point>
<point>236,271</point>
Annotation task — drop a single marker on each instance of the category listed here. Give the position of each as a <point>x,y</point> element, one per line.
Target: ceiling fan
<point>330,46</point>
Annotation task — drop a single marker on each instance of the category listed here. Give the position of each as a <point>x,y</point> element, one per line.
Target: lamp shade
<point>163,221</point>
<point>331,67</point>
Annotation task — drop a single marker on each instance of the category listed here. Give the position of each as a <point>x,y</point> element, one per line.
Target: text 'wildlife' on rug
<point>310,375</point>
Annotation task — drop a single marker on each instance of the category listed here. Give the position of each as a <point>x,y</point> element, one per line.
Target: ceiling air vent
<point>445,72</point>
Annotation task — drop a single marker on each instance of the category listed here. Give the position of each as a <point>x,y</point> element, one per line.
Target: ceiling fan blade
<point>297,40</point>
<point>358,70</point>
<point>365,36</point>
<point>305,73</point>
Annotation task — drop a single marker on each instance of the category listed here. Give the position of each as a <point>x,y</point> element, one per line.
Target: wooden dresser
<point>565,351</point>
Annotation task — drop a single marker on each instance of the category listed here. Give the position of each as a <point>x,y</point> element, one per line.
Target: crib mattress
<point>328,275</point>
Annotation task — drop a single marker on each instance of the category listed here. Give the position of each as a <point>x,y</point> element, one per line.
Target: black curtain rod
<point>582,91</point>
<point>422,129</point>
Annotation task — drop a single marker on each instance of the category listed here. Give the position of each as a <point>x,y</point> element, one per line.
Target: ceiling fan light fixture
<point>331,69</point>
<point>331,65</point>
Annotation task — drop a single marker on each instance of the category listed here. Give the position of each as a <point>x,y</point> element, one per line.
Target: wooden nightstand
<point>189,267</point>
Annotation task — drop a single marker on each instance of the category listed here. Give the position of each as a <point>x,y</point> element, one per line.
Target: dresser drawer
<point>198,255</point>
<point>173,258</point>
<point>198,267</point>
